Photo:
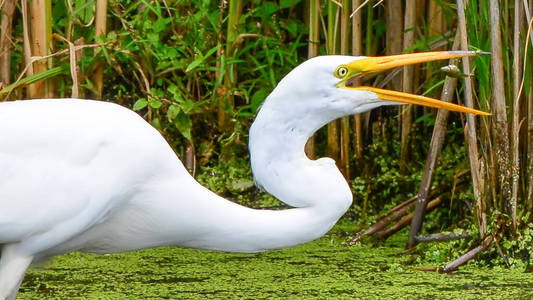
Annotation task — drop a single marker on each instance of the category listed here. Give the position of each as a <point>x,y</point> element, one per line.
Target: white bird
<point>81,175</point>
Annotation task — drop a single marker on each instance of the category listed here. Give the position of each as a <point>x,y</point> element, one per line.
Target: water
<point>324,269</point>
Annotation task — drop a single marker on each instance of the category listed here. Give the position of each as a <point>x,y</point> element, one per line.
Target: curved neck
<point>280,166</point>
<point>316,188</point>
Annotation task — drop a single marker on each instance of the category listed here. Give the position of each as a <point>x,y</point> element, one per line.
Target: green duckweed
<point>324,269</point>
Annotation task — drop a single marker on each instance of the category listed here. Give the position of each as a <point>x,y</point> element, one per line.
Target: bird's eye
<point>341,72</point>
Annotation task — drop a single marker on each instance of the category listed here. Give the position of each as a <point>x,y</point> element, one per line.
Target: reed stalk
<point>470,131</point>
<point>408,83</point>
<point>40,29</point>
<point>99,32</point>
<point>8,9</point>
<point>27,46</point>
<point>528,6</point>
<point>333,127</point>
<point>515,130</point>
<point>394,12</point>
<point>345,122</point>
<point>357,50</point>
<point>312,51</point>
<point>227,102</point>
<point>435,29</point>
<point>499,109</point>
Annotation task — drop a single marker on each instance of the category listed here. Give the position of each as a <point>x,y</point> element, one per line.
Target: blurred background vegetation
<point>199,70</point>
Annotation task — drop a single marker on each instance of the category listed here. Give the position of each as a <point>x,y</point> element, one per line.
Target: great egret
<point>95,177</point>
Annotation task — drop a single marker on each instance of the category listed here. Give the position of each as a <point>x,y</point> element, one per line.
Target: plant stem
<point>8,9</point>
<point>499,109</point>
<point>100,31</point>
<point>234,15</point>
<point>333,128</point>
<point>312,51</point>
<point>471,136</point>
<point>515,130</point>
<point>345,122</point>
<point>357,50</point>
<point>40,28</point>
<point>408,82</point>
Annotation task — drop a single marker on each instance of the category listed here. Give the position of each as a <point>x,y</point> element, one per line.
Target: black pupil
<point>342,72</point>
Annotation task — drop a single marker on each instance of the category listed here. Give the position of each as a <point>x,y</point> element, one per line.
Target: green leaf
<point>184,124</point>
<point>257,99</point>
<point>154,103</point>
<point>199,60</point>
<point>507,244</point>
<point>288,3</point>
<point>156,123</point>
<point>35,78</point>
<point>267,9</point>
<point>173,89</point>
<point>140,104</point>
<point>172,112</point>
<point>161,24</point>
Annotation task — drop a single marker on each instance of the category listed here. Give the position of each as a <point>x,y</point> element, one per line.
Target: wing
<point>66,163</point>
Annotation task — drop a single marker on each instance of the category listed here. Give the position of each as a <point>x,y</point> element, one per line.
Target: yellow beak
<point>376,64</point>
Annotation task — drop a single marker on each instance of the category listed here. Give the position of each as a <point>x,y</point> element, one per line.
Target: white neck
<point>280,166</point>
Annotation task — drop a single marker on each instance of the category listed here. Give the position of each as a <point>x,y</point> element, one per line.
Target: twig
<point>467,256</point>
<point>359,7</point>
<point>405,221</point>
<point>26,38</point>
<point>391,218</point>
<point>441,237</point>
<point>73,71</point>
<point>500,251</point>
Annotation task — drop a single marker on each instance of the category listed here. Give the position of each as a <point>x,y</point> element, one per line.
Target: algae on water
<point>324,269</point>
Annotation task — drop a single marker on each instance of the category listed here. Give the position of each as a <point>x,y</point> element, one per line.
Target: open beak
<point>368,65</point>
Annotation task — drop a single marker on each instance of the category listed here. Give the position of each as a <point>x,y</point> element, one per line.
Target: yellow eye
<point>341,72</point>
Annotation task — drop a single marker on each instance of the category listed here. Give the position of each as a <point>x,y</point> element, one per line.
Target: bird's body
<point>95,177</point>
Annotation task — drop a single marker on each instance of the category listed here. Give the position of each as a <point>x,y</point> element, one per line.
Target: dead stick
<point>437,140</point>
<point>391,218</point>
<point>432,194</point>
<point>409,203</point>
<point>441,237</point>
<point>467,256</point>
<point>502,254</point>
<point>405,220</point>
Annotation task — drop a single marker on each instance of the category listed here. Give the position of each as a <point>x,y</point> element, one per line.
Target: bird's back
<point>66,163</point>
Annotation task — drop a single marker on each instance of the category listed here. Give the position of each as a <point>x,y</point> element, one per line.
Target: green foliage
<point>170,52</point>
<point>380,180</point>
<point>233,180</point>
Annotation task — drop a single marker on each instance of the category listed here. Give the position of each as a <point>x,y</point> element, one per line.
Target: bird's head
<point>324,86</point>
<point>316,92</point>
